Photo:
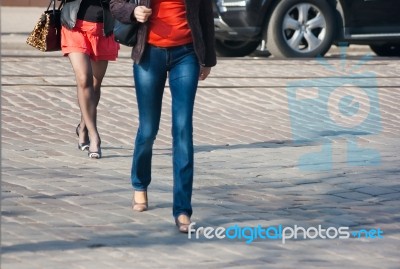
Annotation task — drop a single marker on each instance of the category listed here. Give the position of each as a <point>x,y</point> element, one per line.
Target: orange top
<point>168,26</point>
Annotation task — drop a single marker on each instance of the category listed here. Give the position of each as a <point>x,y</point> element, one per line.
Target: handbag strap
<point>54,5</point>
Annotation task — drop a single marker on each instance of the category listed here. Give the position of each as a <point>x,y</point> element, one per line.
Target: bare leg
<point>86,97</point>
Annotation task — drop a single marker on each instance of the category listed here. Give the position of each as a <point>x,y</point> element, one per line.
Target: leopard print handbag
<point>46,35</point>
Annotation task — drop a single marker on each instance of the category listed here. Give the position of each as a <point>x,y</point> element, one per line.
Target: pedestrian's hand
<point>142,13</point>
<point>204,72</point>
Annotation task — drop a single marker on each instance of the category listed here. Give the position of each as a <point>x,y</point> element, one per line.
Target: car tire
<point>388,50</point>
<point>289,35</point>
<point>229,48</point>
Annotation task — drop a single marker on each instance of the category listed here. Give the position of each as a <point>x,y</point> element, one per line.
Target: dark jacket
<point>201,23</point>
<point>108,19</point>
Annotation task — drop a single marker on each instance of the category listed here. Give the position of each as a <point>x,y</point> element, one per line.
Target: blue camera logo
<point>338,107</point>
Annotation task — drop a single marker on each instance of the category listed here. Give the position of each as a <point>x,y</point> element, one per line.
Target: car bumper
<point>221,28</point>
<point>224,32</point>
<point>226,23</point>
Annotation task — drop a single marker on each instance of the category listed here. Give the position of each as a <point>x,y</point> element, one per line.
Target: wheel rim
<point>304,28</point>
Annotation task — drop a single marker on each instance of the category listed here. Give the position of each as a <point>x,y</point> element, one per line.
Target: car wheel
<point>301,28</point>
<point>386,49</point>
<point>229,48</point>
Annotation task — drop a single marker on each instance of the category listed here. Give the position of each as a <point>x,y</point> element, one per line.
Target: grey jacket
<point>70,10</point>
<point>201,23</point>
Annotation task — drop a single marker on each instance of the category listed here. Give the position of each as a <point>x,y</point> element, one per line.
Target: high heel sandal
<point>94,154</point>
<point>140,207</point>
<point>82,146</point>
<point>182,227</point>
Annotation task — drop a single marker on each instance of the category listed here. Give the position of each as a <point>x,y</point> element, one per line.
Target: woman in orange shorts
<point>87,39</point>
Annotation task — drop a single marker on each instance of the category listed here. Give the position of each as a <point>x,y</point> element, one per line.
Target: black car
<point>305,28</point>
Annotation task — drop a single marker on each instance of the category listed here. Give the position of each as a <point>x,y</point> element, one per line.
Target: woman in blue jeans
<point>175,41</point>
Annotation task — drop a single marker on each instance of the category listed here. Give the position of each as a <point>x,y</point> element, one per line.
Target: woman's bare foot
<point>183,223</point>
<point>140,201</point>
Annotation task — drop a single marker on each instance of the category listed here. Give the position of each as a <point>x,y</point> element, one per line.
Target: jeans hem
<point>182,213</point>
<point>140,189</point>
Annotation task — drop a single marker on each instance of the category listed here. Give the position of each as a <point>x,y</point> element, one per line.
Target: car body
<point>305,28</point>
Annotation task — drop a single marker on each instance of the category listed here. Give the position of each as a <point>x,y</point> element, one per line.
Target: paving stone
<point>62,210</point>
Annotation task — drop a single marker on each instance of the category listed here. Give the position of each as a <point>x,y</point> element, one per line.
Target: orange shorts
<point>87,37</point>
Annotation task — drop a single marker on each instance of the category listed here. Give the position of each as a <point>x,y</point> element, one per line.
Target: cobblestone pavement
<point>62,210</point>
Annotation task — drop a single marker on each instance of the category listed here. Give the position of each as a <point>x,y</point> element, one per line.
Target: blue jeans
<point>150,76</point>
